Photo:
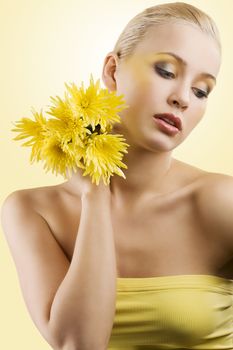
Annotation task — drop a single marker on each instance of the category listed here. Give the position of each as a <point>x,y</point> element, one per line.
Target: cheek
<point>200,112</point>
<point>138,95</point>
<point>195,118</point>
<point>148,93</point>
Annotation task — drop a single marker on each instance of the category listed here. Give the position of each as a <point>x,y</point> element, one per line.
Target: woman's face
<point>154,81</point>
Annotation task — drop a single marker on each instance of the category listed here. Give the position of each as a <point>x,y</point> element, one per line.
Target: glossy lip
<point>166,127</point>
<point>172,117</point>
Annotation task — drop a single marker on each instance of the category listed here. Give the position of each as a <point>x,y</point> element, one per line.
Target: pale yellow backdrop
<point>45,43</point>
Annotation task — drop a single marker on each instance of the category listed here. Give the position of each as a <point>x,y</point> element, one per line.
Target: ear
<point>109,71</point>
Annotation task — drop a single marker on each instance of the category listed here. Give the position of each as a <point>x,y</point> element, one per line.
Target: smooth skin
<point>71,241</point>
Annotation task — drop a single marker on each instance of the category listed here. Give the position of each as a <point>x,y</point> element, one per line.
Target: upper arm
<point>40,262</point>
<point>215,203</point>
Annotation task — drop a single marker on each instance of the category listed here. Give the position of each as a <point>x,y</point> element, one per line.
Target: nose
<point>179,99</point>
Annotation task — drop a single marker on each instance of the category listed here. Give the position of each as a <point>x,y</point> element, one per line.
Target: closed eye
<point>164,72</point>
<point>202,94</point>
<point>169,75</point>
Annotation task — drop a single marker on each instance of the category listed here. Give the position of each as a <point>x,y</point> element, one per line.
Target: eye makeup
<point>184,63</point>
<point>165,61</point>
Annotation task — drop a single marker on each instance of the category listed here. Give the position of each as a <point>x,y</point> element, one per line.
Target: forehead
<point>198,49</point>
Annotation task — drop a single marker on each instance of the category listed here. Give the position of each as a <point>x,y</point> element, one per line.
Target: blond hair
<point>138,26</point>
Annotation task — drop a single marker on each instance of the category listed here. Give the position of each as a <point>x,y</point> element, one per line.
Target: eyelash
<point>163,72</point>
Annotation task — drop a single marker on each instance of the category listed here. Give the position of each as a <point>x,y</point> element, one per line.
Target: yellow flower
<point>60,160</point>
<point>103,157</point>
<point>37,130</point>
<point>94,106</point>
<point>77,135</point>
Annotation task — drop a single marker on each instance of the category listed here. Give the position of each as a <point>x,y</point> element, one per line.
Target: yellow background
<point>45,43</point>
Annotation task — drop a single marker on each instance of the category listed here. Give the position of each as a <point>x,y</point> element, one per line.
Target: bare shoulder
<point>215,189</point>
<point>43,200</point>
<point>57,205</point>
<point>30,193</point>
<point>214,202</point>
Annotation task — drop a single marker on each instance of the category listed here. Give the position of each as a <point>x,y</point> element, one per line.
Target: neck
<point>147,170</point>
<point>146,173</point>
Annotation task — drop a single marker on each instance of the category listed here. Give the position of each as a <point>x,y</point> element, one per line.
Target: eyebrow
<point>178,58</point>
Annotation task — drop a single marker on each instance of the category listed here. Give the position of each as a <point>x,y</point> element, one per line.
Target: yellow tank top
<point>173,312</point>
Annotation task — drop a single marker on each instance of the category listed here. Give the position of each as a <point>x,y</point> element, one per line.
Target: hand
<point>85,186</point>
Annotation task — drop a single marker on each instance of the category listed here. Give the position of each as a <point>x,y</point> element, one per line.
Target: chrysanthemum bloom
<point>78,135</point>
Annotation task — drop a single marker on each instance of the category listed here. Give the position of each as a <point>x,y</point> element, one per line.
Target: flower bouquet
<point>79,133</point>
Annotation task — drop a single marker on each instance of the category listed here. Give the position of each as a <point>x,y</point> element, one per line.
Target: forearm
<point>83,309</point>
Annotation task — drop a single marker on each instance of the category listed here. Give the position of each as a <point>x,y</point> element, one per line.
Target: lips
<point>170,119</point>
